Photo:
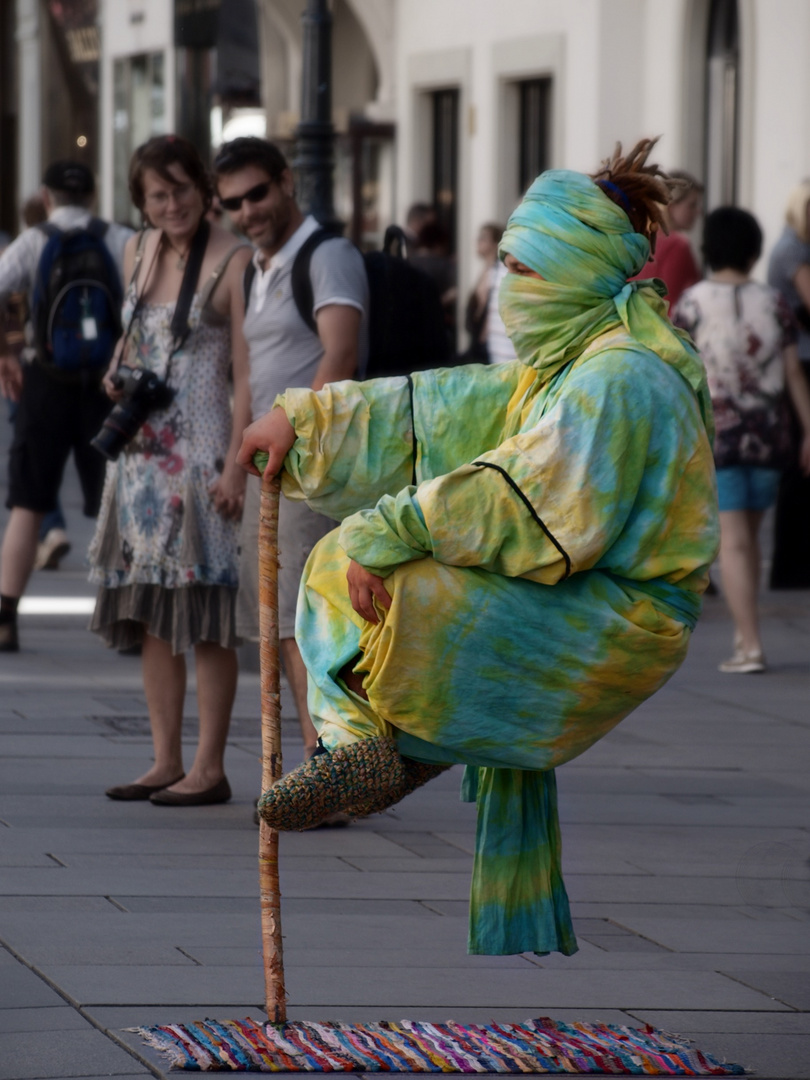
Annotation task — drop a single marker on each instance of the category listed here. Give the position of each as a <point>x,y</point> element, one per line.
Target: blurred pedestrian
<point>789,272</point>
<point>674,261</point>
<point>34,211</point>
<point>256,187</point>
<point>500,349</point>
<point>54,544</point>
<point>746,336</point>
<point>418,215</point>
<point>61,404</point>
<point>483,294</point>
<point>433,257</point>
<point>165,550</point>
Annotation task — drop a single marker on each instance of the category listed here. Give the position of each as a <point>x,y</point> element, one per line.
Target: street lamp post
<point>315,137</point>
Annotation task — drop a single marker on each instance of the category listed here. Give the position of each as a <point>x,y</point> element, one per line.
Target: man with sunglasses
<point>256,187</point>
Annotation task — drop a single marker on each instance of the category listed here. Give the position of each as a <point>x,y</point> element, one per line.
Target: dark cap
<point>69,176</point>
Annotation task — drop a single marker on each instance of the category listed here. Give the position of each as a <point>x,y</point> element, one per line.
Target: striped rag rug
<point>535,1046</point>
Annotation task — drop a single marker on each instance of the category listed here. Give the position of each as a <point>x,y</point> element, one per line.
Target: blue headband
<point>616,191</point>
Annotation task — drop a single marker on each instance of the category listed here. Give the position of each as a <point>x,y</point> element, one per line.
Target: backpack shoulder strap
<point>247,283</point>
<point>97,228</point>
<point>301,281</point>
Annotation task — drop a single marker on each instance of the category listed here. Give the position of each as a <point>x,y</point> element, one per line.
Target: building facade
<point>458,103</point>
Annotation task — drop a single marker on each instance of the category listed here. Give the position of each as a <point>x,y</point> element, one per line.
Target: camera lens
<point>119,427</point>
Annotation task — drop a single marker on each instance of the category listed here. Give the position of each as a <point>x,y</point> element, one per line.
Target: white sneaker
<point>52,550</point>
<point>742,663</point>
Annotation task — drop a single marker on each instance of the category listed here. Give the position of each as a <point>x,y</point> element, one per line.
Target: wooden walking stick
<point>269,890</point>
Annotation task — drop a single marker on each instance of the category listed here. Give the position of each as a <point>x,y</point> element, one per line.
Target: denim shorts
<point>747,487</point>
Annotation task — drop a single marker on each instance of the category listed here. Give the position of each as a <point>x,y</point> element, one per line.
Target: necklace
<point>182,256</point>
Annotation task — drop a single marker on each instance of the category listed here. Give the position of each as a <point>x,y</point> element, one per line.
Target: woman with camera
<point>165,550</point>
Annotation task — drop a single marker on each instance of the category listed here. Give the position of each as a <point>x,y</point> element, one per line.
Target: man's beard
<point>273,228</point>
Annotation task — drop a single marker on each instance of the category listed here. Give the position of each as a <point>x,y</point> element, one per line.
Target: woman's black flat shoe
<point>219,793</point>
<point>133,792</point>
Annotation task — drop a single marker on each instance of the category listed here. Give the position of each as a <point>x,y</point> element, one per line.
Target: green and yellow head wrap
<point>584,248</point>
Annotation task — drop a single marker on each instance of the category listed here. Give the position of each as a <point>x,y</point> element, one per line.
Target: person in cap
<point>58,411</point>
<point>525,545</point>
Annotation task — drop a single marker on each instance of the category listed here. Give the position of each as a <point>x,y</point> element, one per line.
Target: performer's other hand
<point>272,433</point>
<point>363,587</point>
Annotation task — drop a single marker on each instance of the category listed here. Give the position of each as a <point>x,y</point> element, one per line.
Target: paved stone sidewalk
<point>686,833</point>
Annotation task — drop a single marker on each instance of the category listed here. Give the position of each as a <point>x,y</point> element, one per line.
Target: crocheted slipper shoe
<point>417,773</point>
<point>360,779</point>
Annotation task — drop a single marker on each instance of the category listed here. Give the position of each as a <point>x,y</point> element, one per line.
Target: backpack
<point>76,309</point>
<point>406,323</point>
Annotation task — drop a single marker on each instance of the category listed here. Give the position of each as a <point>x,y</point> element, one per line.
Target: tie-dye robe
<point>545,533</point>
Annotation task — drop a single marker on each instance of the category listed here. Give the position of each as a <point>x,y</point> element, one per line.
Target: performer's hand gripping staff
<point>268,441</point>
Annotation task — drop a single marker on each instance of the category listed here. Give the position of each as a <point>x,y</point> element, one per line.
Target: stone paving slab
<point>790,987</point>
<point>46,906</point>
<point>714,812</point>
<point>604,956</point>
<point>113,1018</point>
<point>680,847</point>
<point>748,1023</point>
<point>135,840</point>
<point>147,828</point>
<point>326,956</point>
<point>728,935</point>
<point>697,913</point>
<point>130,883</point>
<point>646,889</point>
<point>225,861</point>
<point>62,747</point>
<point>63,1054</point>
<point>691,755</point>
<point>367,986</point>
<point>90,950</point>
<point>42,1018</point>
<point>578,778</point>
<point>20,988</point>
<point>420,928</point>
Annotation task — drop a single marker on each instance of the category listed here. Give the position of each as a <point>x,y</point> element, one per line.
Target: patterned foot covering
<point>361,779</point>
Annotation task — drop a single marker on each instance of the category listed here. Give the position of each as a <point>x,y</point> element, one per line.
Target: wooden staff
<point>269,889</point>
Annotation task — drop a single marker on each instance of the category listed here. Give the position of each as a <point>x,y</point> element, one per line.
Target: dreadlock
<point>641,190</point>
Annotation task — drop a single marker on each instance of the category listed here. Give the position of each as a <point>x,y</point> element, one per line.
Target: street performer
<point>525,545</point>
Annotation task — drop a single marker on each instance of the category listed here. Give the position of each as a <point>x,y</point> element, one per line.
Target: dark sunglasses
<point>256,194</point>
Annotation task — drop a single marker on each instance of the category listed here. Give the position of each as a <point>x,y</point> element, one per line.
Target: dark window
<point>722,92</point>
<point>9,213</point>
<point>534,131</point>
<point>445,160</point>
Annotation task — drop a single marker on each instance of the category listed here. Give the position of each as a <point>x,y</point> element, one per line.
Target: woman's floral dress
<point>164,558</point>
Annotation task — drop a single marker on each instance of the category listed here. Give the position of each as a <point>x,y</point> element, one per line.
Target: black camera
<point>143,392</point>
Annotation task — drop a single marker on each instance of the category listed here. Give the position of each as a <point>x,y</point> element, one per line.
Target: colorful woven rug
<point>535,1046</point>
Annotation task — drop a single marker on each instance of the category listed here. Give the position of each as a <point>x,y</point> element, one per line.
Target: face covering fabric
<point>584,248</point>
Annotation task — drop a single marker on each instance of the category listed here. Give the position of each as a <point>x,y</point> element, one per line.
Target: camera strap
<point>180,327</point>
